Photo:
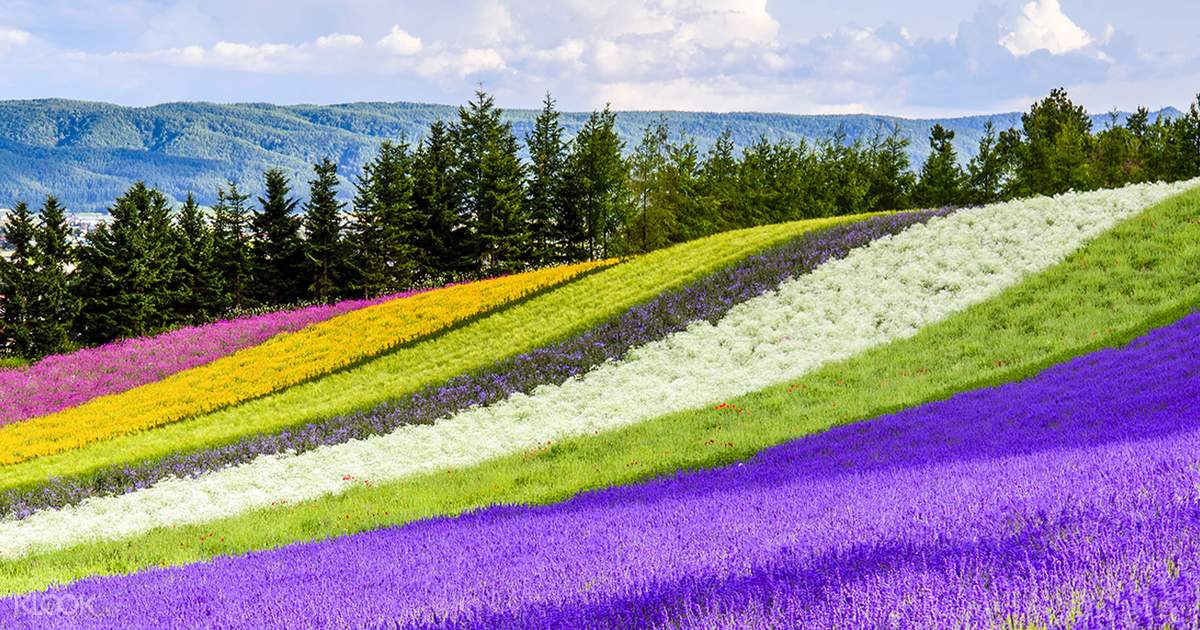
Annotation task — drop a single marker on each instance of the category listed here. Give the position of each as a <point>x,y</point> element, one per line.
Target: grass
<point>12,362</point>
<point>1138,276</point>
<point>521,327</point>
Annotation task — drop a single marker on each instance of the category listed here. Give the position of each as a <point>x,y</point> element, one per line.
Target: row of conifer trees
<point>462,204</point>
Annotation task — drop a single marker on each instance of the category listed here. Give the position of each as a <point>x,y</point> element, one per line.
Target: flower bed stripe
<point>281,362</point>
<point>706,299</point>
<point>1144,268</point>
<point>1028,504</point>
<point>538,321</point>
<point>883,292</point>
<point>60,381</point>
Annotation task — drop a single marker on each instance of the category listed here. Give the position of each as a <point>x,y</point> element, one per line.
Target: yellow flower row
<point>278,363</point>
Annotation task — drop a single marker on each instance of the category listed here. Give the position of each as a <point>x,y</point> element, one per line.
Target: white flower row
<point>883,292</point>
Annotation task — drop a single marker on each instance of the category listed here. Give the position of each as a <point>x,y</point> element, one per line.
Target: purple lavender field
<point>1070,498</point>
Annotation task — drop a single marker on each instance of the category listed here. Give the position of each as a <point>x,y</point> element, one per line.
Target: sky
<point>917,59</point>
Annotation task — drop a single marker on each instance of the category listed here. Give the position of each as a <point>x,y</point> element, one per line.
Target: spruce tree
<point>17,283</point>
<point>844,175</point>
<point>1187,143</point>
<point>232,256</point>
<point>385,226</point>
<point>1114,155</point>
<point>324,250</point>
<point>491,177</point>
<point>54,307</point>
<point>888,172</point>
<point>1054,159</point>
<point>544,193</point>
<point>436,197</point>
<point>278,258</point>
<point>718,184</point>
<point>598,176</point>
<point>986,172</point>
<point>649,223</point>
<point>679,191</point>
<point>199,295</point>
<point>941,182</point>
<point>126,271</point>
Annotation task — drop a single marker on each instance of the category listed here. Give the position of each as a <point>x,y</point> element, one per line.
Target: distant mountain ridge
<point>87,153</point>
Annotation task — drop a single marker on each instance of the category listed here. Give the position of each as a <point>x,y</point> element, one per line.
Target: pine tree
<point>718,184</point>
<point>844,174</point>
<point>199,294</point>
<point>324,250</point>
<point>679,191</point>
<point>492,187</point>
<point>17,283</point>
<point>1114,155</point>
<point>986,172</point>
<point>889,174</point>
<point>597,175</point>
<point>1187,143</point>
<point>276,245</point>
<point>436,197</point>
<point>649,224</point>
<point>941,182</point>
<point>231,247</point>
<point>1054,159</point>
<point>385,225</point>
<point>54,307</point>
<point>126,271</point>
<point>544,193</point>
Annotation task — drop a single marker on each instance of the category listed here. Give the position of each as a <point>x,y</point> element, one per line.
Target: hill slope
<point>88,153</point>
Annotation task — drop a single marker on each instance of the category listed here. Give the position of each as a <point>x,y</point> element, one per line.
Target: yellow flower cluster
<point>280,362</point>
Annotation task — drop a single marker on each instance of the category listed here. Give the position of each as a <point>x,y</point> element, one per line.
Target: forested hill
<point>89,153</point>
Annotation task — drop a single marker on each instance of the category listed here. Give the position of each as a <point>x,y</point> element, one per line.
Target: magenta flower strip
<point>66,380</point>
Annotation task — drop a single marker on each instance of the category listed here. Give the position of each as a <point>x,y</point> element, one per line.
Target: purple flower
<point>1066,499</point>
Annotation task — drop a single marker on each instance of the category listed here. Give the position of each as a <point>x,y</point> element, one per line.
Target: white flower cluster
<point>886,291</point>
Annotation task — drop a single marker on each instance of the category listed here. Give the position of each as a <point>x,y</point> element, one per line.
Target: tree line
<point>462,204</point>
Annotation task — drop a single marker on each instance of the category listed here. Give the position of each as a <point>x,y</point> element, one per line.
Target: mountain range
<point>88,153</point>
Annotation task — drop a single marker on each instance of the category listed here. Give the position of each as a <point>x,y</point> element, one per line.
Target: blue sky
<point>933,58</point>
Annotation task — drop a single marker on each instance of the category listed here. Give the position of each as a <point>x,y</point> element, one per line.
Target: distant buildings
<point>81,224</point>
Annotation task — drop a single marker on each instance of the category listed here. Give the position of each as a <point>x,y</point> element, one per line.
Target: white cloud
<point>12,38</point>
<point>401,42</point>
<point>339,40</point>
<point>722,23</point>
<point>1042,25</point>
<point>449,64</point>
<point>493,24</point>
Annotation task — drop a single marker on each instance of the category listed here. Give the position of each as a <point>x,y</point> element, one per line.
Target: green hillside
<point>88,153</point>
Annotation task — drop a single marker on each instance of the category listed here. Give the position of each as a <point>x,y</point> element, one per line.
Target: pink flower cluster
<point>66,380</point>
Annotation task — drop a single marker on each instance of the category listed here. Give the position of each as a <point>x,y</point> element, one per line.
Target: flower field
<point>942,515</point>
<point>279,362</point>
<point>62,381</point>
<point>532,323</point>
<point>980,417</point>
<point>706,299</point>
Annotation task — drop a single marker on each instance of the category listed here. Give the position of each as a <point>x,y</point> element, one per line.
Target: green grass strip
<point>525,325</point>
<point>1140,275</point>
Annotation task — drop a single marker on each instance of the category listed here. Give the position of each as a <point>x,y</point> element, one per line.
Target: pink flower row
<point>66,380</point>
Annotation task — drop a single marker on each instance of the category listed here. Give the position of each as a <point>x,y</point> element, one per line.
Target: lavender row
<point>1067,500</point>
<point>61,381</point>
<point>707,299</point>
